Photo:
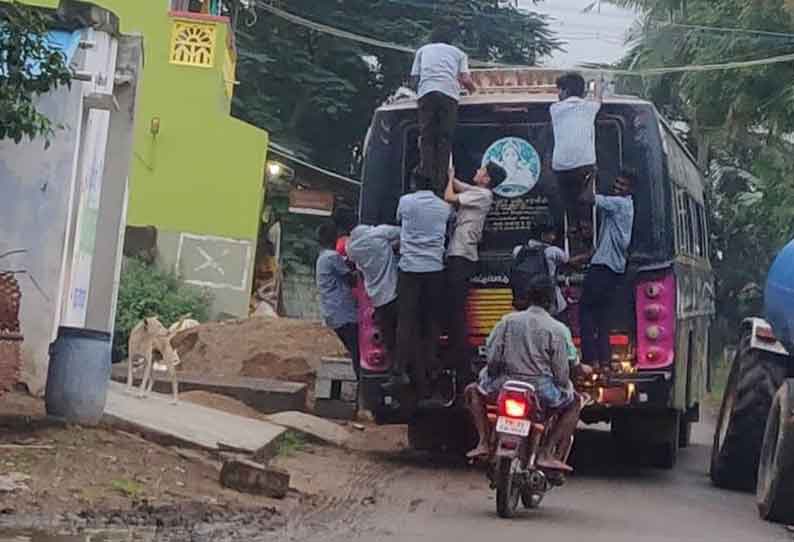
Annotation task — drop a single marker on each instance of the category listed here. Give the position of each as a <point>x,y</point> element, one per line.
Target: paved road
<point>604,502</point>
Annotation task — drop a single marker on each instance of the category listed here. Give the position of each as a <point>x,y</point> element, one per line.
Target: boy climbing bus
<point>574,160</point>
<point>439,71</point>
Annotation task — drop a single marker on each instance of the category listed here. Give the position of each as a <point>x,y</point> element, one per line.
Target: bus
<point>660,326</point>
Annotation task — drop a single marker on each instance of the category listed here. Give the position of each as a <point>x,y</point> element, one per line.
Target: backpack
<point>530,262</point>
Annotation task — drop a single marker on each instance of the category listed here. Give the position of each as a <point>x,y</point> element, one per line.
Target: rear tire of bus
<point>666,455</point>
<point>775,493</point>
<point>684,433</point>
<point>755,378</point>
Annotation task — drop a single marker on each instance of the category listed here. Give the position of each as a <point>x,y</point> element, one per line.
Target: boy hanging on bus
<point>335,281</point>
<point>373,249</point>
<point>473,202</point>
<point>423,217</point>
<point>574,158</point>
<point>438,72</point>
<point>544,237</point>
<point>607,267</point>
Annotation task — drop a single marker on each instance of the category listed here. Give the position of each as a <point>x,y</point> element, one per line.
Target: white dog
<point>147,336</point>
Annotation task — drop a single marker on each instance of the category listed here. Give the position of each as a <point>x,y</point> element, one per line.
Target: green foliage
<point>316,93</point>
<point>29,67</point>
<point>129,488</point>
<point>739,120</point>
<point>148,291</point>
<point>290,443</point>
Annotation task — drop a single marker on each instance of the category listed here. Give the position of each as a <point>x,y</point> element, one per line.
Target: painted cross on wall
<point>214,262</point>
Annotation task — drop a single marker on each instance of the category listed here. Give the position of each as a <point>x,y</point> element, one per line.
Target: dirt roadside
<point>72,478</point>
<point>259,347</point>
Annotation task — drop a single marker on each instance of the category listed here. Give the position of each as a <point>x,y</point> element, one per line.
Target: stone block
<point>254,478</point>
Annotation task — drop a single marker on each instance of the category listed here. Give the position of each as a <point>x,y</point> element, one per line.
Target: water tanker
<point>779,297</point>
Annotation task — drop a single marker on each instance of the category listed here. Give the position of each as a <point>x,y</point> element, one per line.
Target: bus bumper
<point>646,390</point>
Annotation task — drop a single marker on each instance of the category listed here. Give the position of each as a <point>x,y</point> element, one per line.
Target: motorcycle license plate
<point>512,426</point>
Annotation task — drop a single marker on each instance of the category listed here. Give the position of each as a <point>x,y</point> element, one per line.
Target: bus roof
<point>517,86</point>
<point>408,103</point>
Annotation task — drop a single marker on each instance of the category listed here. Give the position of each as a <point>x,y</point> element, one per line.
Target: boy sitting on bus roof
<point>574,158</point>
<point>423,217</point>
<point>438,72</point>
<point>473,202</point>
<point>607,267</point>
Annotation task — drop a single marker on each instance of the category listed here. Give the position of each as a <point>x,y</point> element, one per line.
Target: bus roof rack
<point>532,80</point>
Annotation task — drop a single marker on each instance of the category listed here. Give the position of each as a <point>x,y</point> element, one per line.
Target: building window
<point>207,7</point>
<point>193,43</point>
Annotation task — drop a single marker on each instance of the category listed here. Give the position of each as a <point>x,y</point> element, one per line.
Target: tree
<point>740,125</point>
<point>316,93</point>
<point>29,67</point>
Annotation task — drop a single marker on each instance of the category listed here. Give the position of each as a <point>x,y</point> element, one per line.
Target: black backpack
<point>530,262</point>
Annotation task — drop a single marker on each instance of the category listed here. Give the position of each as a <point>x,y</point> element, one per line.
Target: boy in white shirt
<point>439,71</point>
<point>574,160</point>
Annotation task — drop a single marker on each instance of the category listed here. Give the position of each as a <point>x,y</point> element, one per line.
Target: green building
<point>197,173</point>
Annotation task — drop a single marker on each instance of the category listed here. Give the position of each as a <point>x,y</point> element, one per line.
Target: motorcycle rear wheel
<point>508,489</point>
<point>531,500</point>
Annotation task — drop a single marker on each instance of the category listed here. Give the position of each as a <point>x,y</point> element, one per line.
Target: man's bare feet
<point>480,451</point>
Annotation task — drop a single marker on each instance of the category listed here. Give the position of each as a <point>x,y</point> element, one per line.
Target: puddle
<point>104,535</point>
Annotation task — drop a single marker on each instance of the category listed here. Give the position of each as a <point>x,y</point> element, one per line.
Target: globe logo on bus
<point>521,162</point>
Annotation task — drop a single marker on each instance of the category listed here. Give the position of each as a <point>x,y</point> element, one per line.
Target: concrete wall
<point>65,204</point>
<point>36,191</point>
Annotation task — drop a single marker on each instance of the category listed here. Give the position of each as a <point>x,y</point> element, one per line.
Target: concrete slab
<point>312,426</point>
<point>335,409</point>
<point>187,424</point>
<point>263,394</point>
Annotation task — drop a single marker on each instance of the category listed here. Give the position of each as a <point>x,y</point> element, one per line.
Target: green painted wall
<point>203,172</point>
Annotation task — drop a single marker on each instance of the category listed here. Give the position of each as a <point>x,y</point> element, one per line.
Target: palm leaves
<point>746,116</point>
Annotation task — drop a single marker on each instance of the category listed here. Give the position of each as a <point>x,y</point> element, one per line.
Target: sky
<point>590,37</point>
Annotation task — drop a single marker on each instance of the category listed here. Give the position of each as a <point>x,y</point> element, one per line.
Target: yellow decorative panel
<point>230,71</point>
<point>485,308</point>
<point>193,44</point>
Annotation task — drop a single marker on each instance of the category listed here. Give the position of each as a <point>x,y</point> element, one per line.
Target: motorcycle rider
<point>531,346</point>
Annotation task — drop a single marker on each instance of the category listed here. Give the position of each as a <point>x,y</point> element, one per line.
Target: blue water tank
<point>78,375</point>
<point>779,297</point>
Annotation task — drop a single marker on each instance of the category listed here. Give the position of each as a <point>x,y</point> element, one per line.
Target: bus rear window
<point>525,151</point>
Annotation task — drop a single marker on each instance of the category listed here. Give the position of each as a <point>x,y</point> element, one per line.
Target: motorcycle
<point>519,430</point>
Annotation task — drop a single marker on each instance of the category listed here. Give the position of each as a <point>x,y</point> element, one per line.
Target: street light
<point>274,169</point>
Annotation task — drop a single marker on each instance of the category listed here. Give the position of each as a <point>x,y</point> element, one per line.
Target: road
<point>418,499</point>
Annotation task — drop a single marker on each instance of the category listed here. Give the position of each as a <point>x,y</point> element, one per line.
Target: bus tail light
<point>372,352</point>
<point>656,298</point>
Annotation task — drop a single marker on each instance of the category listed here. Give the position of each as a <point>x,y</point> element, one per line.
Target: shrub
<point>147,291</point>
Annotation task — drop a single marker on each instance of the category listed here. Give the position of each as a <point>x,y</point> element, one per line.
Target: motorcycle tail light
<point>514,404</point>
<point>515,408</point>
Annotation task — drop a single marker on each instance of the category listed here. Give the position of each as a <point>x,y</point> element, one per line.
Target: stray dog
<point>147,336</point>
<point>183,324</point>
